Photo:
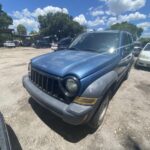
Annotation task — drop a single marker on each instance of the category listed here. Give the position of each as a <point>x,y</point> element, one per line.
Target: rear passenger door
<point>126,51</point>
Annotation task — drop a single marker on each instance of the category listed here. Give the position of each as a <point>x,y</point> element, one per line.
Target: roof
<point>110,31</point>
<point>105,31</point>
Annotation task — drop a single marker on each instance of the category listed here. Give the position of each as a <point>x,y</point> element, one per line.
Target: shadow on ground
<point>13,139</point>
<point>131,144</point>
<point>71,133</point>
<point>143,68</point>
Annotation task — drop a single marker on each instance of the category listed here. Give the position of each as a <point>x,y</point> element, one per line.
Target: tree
<point>21,29</point>
<point>33,32</point>
<point>5,22</point>
<point>133,29</point>
<point>144,41</point>
<point>59,25</point>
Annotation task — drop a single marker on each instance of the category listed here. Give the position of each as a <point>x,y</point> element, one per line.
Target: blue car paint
<point>70,62</point>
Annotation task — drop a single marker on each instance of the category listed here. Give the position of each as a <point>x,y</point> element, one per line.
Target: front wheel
<point>98,117</point>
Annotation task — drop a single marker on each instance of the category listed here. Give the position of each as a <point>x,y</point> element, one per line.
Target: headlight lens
<point>71,86</point>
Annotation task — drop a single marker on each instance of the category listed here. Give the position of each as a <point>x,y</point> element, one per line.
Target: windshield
<point>147,47</point>
<point>96,42</point>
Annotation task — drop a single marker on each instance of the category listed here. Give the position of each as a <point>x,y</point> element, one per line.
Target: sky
<point>95,14</point>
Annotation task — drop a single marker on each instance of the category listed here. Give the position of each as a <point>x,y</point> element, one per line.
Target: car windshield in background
<point>147,48</point>
<point>96,42</point>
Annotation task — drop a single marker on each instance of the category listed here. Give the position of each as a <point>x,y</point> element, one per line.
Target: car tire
<point>98,117</point>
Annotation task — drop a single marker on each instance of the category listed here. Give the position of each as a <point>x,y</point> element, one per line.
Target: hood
<point>69,62</point>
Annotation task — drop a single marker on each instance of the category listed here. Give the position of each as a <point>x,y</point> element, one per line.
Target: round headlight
<point>71,86</point>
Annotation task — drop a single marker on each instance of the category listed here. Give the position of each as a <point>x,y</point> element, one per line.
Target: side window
<point>130,39</point>
<point>125,39</point>
<point>127,43</point>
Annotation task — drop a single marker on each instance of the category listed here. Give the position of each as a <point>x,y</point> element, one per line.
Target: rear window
<point>147,47</point>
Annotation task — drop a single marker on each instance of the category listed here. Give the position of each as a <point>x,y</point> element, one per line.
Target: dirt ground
<point>126,125</point>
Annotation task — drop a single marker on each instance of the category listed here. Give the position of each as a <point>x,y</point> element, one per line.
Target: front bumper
<point>143,62</point>
<point>72,113</point>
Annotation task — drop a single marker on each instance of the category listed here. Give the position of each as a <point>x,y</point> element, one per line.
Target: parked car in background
<point>144,57</point>
<point>26,43</point>
<point>54,46</point>
<point>77,83</point>
<point>64,43</point>
<point>9,44</point>
<point>42,44</point>
<point>137,48</point>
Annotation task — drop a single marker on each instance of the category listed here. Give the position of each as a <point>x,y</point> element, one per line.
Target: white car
<point>9,44</point>
<point>144,57</point>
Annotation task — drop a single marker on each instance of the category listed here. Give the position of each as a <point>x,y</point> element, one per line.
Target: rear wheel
<point>98,118</point>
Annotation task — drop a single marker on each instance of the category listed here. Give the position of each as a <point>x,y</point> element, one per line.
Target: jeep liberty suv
<point>76,84</point>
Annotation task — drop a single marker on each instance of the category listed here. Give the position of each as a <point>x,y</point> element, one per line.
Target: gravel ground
<point>126,125</point>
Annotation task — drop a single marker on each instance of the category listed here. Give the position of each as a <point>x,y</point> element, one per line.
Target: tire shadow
<point>13,139</point>
<point>69,132</point>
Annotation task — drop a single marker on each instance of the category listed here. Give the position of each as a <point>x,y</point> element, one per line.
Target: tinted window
<point>147,48</point>
<point>126,39</point>
<point>96,42</point>
<point>130,39</point>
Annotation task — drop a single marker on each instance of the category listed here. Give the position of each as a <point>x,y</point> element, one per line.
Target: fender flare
<point>99,87</point>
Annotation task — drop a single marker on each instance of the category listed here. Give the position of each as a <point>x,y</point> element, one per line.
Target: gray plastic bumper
<point>71,113</point>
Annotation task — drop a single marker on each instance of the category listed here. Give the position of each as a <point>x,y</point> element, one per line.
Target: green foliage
<point>5,22</point>
<point>133,29</point>
<point>33,32</point>
<point>21,29</point>
<point>144,41</point>
<point>59,25</point>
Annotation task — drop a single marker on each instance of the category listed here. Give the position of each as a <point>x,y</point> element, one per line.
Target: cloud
<point>132,17</point>
<point>128,18</point>
<point>97,22</point>
<point>49,9</point>
<point>112,20</point>
<point>29,23</point>
<point>20,14</point>
<point>29,19</point>
<point>121,6</point>
<point>144,25</point>
<point>97,13</point>
<point>80,19</point>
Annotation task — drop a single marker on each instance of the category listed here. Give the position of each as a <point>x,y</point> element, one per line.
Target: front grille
<point>47,83</point>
